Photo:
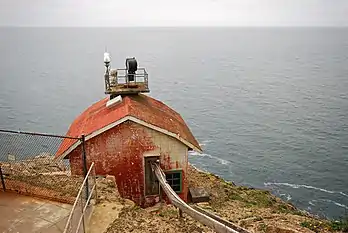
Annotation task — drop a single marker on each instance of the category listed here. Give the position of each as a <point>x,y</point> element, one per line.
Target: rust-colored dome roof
<point>140,108</point>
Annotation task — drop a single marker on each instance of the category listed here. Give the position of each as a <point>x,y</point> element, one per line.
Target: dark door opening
<point>151,182</point>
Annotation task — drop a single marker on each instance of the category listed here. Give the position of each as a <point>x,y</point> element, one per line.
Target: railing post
<point>2,179</point>
<point>95,183</point>
<point>84,162</point>
<point>83,216</point>
<point>180,213</point>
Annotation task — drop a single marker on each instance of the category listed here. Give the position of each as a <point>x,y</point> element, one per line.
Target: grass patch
<point>235,196</point>
<point>339,225</point>
<point>168,213</point>
<point>282,208</point>
<point>288,209</point>
<point>314,225</point>
<point>229,183</point>
<point>135,207</point>
<point>259,198</point>
<point>247,196</point>
<point>262,227</point>
<point>335,225</point>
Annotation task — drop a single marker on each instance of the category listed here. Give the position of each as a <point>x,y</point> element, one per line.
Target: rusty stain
<point>120,153</point>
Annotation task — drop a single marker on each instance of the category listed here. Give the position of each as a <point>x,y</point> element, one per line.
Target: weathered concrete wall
<point>120,152</point>
<point>173,156</point>
<point>25,188</point>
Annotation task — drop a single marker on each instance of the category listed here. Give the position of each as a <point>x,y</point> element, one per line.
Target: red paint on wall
<point>119,152</point>
<point>184,194</point>
<point>165,161</point>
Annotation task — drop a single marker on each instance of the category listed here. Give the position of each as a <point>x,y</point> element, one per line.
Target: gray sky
<point>174,13</point>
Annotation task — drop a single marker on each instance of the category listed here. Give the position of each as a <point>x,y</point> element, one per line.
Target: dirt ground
<point>254,210</point>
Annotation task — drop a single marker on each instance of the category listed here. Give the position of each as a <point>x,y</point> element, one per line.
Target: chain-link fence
<point>29,165</point>
<point>82,208</point>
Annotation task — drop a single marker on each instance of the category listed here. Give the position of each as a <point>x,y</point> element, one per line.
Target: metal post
<point>84,162</point>
<point>83,216</point>
<point>95,190</point>
<point>180,213</point>
<point>2,180</point>
<point>160,194</point>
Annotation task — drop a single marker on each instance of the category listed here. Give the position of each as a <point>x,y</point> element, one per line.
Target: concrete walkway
<point>23,214</point>
<point>103,215</point>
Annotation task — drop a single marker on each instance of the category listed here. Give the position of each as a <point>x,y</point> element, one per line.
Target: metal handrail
<point>84,209</point>
<point>77,199</point>
<point>218,226</point>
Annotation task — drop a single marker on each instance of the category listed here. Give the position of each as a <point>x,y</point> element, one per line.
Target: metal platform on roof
<point>117,83</point>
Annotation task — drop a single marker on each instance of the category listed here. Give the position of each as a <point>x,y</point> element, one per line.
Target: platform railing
<point>77,220</point>
<point>120,79</point>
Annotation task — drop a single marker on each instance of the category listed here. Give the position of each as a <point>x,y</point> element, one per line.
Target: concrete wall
<point>25,188</point>
<point>120,152</point>
<point>173,156</point>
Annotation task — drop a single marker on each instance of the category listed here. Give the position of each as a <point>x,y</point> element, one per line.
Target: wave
<point>287,196</point>
<point>333,202</point>
<point>343,194</point>
<point>220,160</point>
<point>195,153</point>
<point>204,142</point>
<point>296,186</point>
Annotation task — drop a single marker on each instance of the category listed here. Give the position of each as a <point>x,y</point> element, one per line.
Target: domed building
<point>127,131</point>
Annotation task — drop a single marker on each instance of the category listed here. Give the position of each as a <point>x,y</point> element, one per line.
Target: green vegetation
<point>339,225</point>
<point>258,209</point>
<point>282,208</point>
<point>315,226</point>
<point>262,227</point>
<point>334,225</point>
<point>286,209</point>
<point>252,197</point>
<point>261,198</point>
<point>235,196</point>
<point>249,197</point>
<point>168,213</point>
<point>135,207</point>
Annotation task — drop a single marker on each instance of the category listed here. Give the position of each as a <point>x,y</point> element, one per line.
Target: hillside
<point>255,210</point>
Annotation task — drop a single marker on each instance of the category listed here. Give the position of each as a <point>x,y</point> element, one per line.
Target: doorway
<point>151,182</point>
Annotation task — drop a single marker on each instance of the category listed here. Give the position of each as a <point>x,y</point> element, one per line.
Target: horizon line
<point>181,26</point>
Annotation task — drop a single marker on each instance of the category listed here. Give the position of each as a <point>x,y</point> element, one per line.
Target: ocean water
<point>268,105</point>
